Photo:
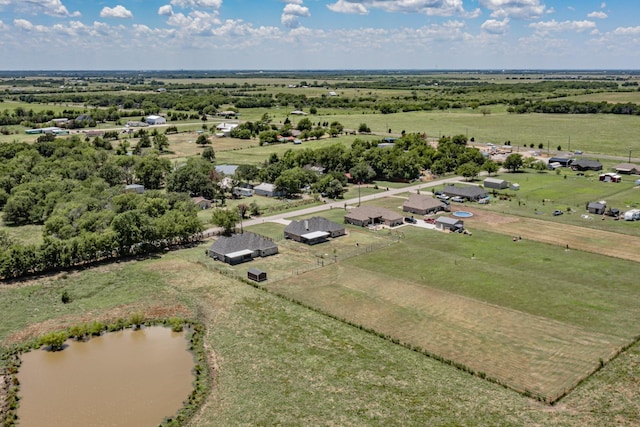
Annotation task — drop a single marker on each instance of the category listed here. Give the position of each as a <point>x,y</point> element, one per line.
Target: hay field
<point>528,353</point>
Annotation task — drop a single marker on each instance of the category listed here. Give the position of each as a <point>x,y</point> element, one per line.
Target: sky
<point>319,34</point>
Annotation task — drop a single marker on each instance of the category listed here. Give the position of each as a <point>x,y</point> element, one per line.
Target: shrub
<point>54,340</point>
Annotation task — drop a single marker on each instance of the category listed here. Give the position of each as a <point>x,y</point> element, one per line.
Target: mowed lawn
<point>529,315</point>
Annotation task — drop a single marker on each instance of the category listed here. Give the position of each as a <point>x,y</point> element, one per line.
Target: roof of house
<point>468,191</point>
<point>238,243</point>
<point>586,163</point>
<point>198,200</point>
<point>154,117</point>
<point>255,271</point>
<point>596,205</point>
<point>495,180</point>
<point>364,213</point>
<point>312,225</point>
<point>265,186</point>
<point>626,167</point>
<point>226,169</point>
<point>422,202</point>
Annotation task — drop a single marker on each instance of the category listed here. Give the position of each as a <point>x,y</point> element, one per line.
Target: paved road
<point>341,203</point>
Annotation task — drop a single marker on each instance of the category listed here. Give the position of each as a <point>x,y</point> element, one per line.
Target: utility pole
<point>629,155</point>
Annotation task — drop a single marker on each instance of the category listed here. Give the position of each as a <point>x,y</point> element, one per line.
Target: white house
<point>155,120</point>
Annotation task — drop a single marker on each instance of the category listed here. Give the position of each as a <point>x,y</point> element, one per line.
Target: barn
<point>496,183</point>
<point>155,120</point>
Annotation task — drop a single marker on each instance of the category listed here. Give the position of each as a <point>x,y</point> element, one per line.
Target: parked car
<point>410,220</point>
<point>557,212</point>
<point>430,220</point>
<point>457,199</point>
<point>442,197</point>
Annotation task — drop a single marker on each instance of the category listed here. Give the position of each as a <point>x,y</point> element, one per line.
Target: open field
<point>279,363</point>
<point>542,333</point>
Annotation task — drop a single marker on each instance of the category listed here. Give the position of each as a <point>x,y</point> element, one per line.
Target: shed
<point>155,120</point>
<point>201,202</point>
<point>256,275</point>
<point>627,168</point>
<point>497,183</point>
<point>422,204</point>
<point>242,192</point>
<point>448,223</point>
<point>610,177</point>
<point>597,208</point>
<point>563,161</point>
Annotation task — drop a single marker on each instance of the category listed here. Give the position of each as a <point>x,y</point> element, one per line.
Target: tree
<point>362,172</point>
<point>208,154</point>
<point>292,180</point>
<point>160,142</point>
<point>513,162</point>
<point>490,167</point>
<point>225,219</point>
<point>304,124</point>
<point>468,170</point>
<point>54,340</point>
<point>151,170</point>
<point>363,128</point>
<point>202,140</point>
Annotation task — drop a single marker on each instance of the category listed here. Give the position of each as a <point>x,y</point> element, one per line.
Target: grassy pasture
<point>611,97</point>
<point>542,332</point>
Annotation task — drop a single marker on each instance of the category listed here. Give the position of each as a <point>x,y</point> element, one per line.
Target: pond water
<point>125,378</point>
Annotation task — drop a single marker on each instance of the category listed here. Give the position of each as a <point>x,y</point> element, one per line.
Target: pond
<point>125,378</point>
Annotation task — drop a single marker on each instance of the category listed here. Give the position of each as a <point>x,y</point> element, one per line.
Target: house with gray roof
<point>422,204</point>
<point>313,230</point>
<point>586,165</point>
<point>267,190</point>
<point>470,192</point>
<point>241,248</point>
<point>597,208</point>
<point>372,215</point>
<point>627,168</point>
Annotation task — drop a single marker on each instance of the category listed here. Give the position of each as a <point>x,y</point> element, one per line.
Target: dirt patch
<point>569,236</point>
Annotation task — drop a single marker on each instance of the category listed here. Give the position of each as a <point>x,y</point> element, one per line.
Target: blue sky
<point>319,34</point>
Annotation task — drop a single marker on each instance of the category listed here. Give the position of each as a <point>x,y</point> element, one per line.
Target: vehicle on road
<point>557,212</point>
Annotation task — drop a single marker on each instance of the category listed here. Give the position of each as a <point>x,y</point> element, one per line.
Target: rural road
<point>341,203</point>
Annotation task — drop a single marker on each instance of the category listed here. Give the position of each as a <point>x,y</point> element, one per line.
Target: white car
<point>457,199</point>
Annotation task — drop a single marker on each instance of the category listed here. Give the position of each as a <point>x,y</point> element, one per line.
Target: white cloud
<point>627,31</point>
<point>116,12</point>
<point>165,10</point>
<point>598,14</point>
<point>197,22</point>
<point>493,26</point>
<point>345,6</point>
<point>555,26</point>
<point>517,9</point>
<point>427,7</point>
<point>198,4</point>
<point>25,25</point>
<point>291,14</point>
<point>47,7</point>
<point>603,5</point>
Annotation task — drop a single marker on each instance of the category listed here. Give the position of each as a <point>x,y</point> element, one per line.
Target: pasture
<point>526,314</point>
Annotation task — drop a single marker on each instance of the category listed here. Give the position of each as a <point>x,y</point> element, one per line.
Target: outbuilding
<point>256,275</point>
<point>596,208</point>
<point>586,165</point>
<point>267,190</point>
<point>496,183</point>
<point>155,120</point>
<point>627,168</point>
<point>134,188</point>
<point>451,224</point>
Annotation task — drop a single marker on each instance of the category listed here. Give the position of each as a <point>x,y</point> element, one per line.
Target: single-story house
<point>586,165</point>
<point>371,215</point>
<point>470,192</point>
<point>266,189</point>
<point>134,188</point>
<point>627,168</point>
<point>256,275</point>
<point>597,208</point>
<point>241,247</point>
<point>155,120</point>
<point>224,129</point>
<point>422,204</point>
<point>448,223</point>
<point>313,230</point>
<point>497,183</point>
<point>564,162</point>
<point>610,177</point>
<point>201,202</point>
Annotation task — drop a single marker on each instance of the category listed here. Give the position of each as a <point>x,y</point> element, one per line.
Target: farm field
<point>541,334</point>
<point>297,365</point>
